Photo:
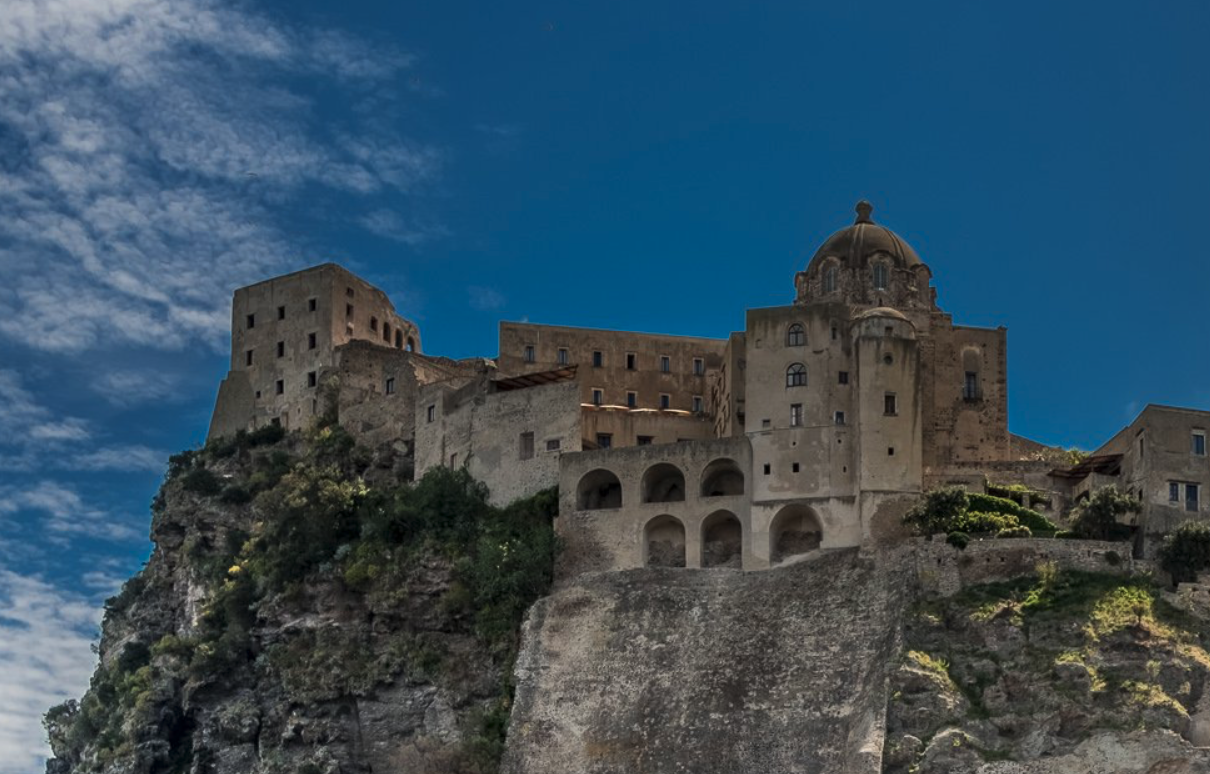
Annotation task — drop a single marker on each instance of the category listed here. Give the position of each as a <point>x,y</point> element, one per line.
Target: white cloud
<point>485,299</point>
<point>45,658</point>
<point>132,457</point>
<point>132,387</point>
<point>390,225</point>
<point>65,514</point>
<point>144,148</point>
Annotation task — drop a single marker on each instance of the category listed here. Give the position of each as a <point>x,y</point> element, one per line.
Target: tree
<point>1186,551</point>
<point>1097,517</point>
<point>938,510</point>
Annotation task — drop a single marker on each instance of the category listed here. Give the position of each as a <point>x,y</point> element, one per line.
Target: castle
<point>816,427</point>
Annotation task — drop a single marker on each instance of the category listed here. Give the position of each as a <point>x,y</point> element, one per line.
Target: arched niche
<point>722,478</point>
<point>663,483</point>
<point>599,489</point>
<point>795,530</point>
<point>722,540</point>
<point>664,542</point>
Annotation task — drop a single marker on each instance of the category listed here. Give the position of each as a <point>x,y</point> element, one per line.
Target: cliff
<point>305,611</point>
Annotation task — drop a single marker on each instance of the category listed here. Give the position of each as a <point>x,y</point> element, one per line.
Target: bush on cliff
<point>1097,517</point>
<point>953,509</point>
<point>1186,551</point>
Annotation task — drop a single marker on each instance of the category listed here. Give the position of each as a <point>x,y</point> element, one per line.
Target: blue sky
<point>600,164</point>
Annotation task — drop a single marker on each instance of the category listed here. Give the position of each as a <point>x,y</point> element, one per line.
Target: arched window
<point>664,542</point>
<point>829,279</point>
<point>722,540</point>
<point>796,375</point>
<point>796,336</point>
<point>880,276</point>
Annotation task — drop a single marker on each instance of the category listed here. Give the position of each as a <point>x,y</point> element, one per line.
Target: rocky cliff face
<point>304,611</point>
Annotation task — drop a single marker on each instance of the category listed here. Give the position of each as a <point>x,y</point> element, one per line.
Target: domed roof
<point>881,311</point>
<point>857,242</point>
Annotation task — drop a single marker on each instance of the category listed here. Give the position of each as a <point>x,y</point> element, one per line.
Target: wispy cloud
<point>133,457</point>
<point>131,387</point>
<point>45,658</point>
<point>390,225</point>
<point>144,147</point>
<point>485,299</point>
<point>64,512</point>
<point>28,429</point>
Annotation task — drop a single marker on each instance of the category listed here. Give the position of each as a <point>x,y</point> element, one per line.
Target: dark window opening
<point>632,400</point>
<point>1199,444</point>
<point>889,404</point>
<point>1174,492</point>
<point>248,358</point>
<point>312,304</point>
<point>527,446</point>
<point>280,387</point>
<point>796,375</point>
<point>598,397</point>
<point>794,467</point>
<point>631,359</point>
<point>398,339</point>
<point>665,364</point>
<point>348,310</point>
<point>374,323</point>
<point>312,379</point>
<point>251,321</point>
<point>890,451</point>
<point>839,418</point>
<point>563,356</point>
<point>970,386</point>
<point>598,358</point>
<point>552,444</point>
<point>386,332</point>
<point>281,312</point>
<point>605,440</point>
<point>665,401</point>
<point>312,341</point>
<point>844,377</point>
<point>697,404</point>
<point>390,386</point>
<point>767,468</point>
<point>699,366</point>
<point>646,440</point>
<point>1191,497</point>
<point>530,355</point>
<point>281,349</point>
<point>796,336</point>
<point>432,413</point>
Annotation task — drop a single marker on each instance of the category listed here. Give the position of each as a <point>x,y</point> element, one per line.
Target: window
<point>280,387</point>
<point>796,336</point>
<point>844,377</point>
<point>829,279</point>
<point>312,341</point>
<point>796,375</point>
<point>665,400</point>
<point>794,467</point>
<point>880,276</point>
<point>888,330</point>
<point>970,387</point>
<point>1199,443</point>
<point>835,333</point>
<point>312,304</point>
<point>1191,497</point>
<point>766,423</point>
<point>281,349</point>
<point>699,366</point>
<point>248,358</point>
<point>605,440</point>
<point>697,404</point>
<point>281,312</point>
<point>374,323</point>
<point>386,332</point>
<point>767,468</point>
<point>349,292</point>
<point>646,440</point>
<point>1140,444</point>
<point>432,412</point>
<point>398,339</point>
<point>839,418</point>
<point>889,406</point>
<point>665,364</point>
<point>890,451</point>
<point>562,356</point>
<point>598,396</point>
<point>251,320</point>
<point>1174,492</point>
<point>454,460</point>
<point>527,446</point>
<point>552,444</point>
<point>390,386</point>
<point>348,310</point>
<point>312,379</point>
<point>598,358</point>
<point>529,353</point>
<point>795,415</point>
<point>632,400</point>
<point>631,360</point>
<point>887,359</point>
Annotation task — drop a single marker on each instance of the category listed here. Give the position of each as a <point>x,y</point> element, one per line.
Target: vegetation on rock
<point>1097,518</point>
<point>953,509</point>
<point>1186,551</point>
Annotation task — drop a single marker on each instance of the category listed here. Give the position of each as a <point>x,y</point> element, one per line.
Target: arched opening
<point>722,478</point>
<point>829,279</point>
<point>722,540</point>
<point>796,335</point>
<point>664,542</point>
<point>663,483</point>
<point>411,344</point>
<point>881,275</point>
<point>599,489</point>
<point>795,530</point>
<point>796,375</point>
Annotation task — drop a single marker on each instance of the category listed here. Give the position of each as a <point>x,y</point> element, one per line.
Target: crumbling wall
<point>945,570</point>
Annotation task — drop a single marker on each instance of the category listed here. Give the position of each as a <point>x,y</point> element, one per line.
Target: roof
<point>535,379</point>
<point>1107,464</point>
<point>857,242</point>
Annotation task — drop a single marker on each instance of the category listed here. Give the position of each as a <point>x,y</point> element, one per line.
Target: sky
<point>656,167</point>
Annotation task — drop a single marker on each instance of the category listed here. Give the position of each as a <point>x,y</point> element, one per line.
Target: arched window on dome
<point>829,279</point>
<point>796,375</point>
<point>881,273</point>
<point>796,335</point>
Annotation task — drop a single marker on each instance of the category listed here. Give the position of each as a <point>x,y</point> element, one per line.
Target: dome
<point>853,245</point>
<point>882,311</point>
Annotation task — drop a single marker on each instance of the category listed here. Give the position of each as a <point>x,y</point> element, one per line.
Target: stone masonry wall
<point>945,570</point>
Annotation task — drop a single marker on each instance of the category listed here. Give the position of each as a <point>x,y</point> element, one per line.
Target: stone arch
<point>722,478</point>
<point>663,483</point>
<point>722,540</point>
<point>795,530</point>
<point>664,542</point>
<point>597,489</point>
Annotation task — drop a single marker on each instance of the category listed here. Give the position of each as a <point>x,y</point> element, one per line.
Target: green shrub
<point>266,434</point>
<point>201,481</point>
<point>958,540</point>
<point>1067,534</point>
<point>978,521</point>
<point>938,511</point>
<point>1019,531</point>
<point>1113,558</point>
<point>1186,551</point>
<point>1097,517</point>
<point>234,494</point>
<point>1029,518</point>
<point>180,463</point>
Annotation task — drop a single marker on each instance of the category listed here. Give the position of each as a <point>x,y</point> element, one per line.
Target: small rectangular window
<point>552,444</point>
<point>386,332</point>
<point>970,386</point>
<point>839,418</point>
<point>281,349</point>
<point>348,310</point>
<point>398,339</point>
<point>835,333</point>
<point>598,358</point>
<point>312,340</point>
<point>665,364</point>
<point>280,387</point>
<point>605,440</point>
<point>374,324</point>
<point>432,412</point>
<point>632,400</point>
<point>665,400</point>
<point>697,404</point>
<point>349,292</point>
<point>646,440</point>
<point>844,377</point>
<point>890,451</point>
<point>795,415</point>
<point>251,320</point>
<point>794,467</point>
<point>767,468</point>
<point>563,358</point>
<point>1199,443</point>
<point>699,366</point>
<point>631,361</point>
<point>1191,493</point>
<point>312,379</point>
<point>889,405</point>
<point>312,304</point>
<point>1174,492</point>
<point>765,423</point>
<point>530,356</point>
<point>390,386</point>
<point>527,446</point>
<point>598,396</point>
<point>281,312</point>
<point>248,358</point>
